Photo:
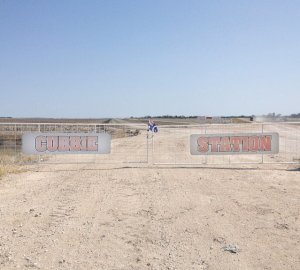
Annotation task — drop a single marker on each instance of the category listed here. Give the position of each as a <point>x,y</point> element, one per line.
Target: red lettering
<point>202,144</point>
<point>83,143</point>
<point>236,143</point>
<point>265,143</point>
<point>40,144</point>
<point>64,143</point>
<point>52,143</point>
<point>92,143</point>
<point>225,144</point>
<point>253,143</point>
<point>245,144</point>
<point>214,142</point>
<point>75,143</point>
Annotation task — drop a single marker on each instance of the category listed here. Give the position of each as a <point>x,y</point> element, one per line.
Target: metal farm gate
<point>171,145</point>
<point>132,144</point>
<point>129,143</point>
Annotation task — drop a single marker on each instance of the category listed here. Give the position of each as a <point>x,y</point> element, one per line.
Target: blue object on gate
<point>152,126</point>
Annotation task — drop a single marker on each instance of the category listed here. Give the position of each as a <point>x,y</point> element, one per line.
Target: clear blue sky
<point>133,58</point>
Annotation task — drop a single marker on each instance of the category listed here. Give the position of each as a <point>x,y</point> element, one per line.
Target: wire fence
<point>129,142</point>
<point>133,144</point>
<point>172,144</point>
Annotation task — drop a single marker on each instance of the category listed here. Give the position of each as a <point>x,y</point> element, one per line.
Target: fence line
<point>132,144</point>
<point>171,144</point>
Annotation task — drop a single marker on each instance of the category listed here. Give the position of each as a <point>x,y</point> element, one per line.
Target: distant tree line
<point>185,117</point>
<point>274,115</point>
<point>170,116</point>
<point>295,115</point>
<point>269,115</point>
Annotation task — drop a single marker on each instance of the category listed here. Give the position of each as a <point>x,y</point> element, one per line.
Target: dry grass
<point>10,162</point>
<point>6,169</point>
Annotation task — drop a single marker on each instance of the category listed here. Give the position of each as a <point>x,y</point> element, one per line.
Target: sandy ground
<point>150,218</point>
<point>101,215</point>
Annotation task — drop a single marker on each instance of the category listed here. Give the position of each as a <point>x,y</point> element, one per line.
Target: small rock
<point>219,240</point>
<point>231,248</point>
<point>281,226</point>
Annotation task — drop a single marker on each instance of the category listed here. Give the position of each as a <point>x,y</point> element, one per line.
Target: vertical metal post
<point>147,148</point>
<point>95,155</point>
<point>15,139</point>
<point>174,147</point>
<point>262,154</point>
<point>39,156</point>
<point>205,162</point>
<point>152,159</point>
<point>297,145</point>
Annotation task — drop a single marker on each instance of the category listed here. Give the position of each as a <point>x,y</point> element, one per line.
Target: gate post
<point>262,154</point>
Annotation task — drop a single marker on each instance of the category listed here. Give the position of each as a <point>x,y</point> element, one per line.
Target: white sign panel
<point>232,144</point>
<point>66,143</point>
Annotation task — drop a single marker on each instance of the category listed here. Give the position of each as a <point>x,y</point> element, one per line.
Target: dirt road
<point>150,218</point>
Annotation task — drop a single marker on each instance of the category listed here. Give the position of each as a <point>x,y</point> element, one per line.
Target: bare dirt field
<point>150,218</point>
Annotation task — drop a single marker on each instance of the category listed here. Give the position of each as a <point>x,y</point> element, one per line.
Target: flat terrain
<point>150,218</point>
<point>105,214</point>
